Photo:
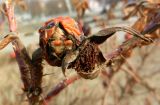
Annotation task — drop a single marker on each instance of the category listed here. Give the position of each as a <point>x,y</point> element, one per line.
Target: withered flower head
<point>64,45</point>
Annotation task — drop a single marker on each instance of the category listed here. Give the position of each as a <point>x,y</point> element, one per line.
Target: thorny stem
<point>58,88</point>
<point>9,11</point>
<point>31,72</point>
<point>28,68</point>
<point>18,47</point>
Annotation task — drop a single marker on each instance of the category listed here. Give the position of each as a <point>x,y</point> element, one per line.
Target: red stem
<point>9,10</point>
<point>31,74</point>
<point>59,87</point>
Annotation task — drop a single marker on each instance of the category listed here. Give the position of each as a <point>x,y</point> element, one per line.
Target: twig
<point>58,88</point>
<point>131,70</point>
<point>31,73</point>
<point>127,46</point>
<point>9,11</point>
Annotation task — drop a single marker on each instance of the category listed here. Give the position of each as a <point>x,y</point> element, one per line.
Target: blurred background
<point>30,16</point>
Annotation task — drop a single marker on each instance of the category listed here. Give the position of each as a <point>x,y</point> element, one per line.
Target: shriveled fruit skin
<point>57,36</point>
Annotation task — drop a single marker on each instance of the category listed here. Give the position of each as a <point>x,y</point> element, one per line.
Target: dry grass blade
<point>31,73</point>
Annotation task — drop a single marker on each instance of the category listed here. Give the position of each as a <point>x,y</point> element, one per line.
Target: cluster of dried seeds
<point>87,61</point>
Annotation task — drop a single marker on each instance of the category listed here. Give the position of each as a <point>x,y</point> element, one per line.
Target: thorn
<point>43,100</point>
<point>54,54</point>
<point>70,57</point>
<point>64,66</point>
<point>48,74</point>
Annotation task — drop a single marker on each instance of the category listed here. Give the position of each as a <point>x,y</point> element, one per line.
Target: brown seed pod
<point>89,60</point>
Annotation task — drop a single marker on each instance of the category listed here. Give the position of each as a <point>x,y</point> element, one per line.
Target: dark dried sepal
<point>69,57</point>
<point>104,34</point>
